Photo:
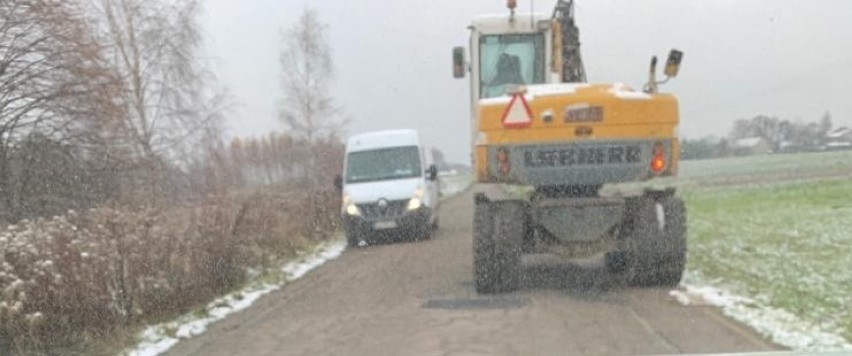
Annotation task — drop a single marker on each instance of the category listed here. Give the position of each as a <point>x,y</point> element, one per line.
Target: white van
<point>388,188</point>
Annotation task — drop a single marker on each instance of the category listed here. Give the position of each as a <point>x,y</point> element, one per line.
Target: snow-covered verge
<point>454,184</point>
<point>156,339</point>
<point>778,325</point>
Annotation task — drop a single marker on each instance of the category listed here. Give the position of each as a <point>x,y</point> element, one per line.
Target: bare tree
<point>825,125</point>
<point>307,73</point>
<point>49,69</point>
<point>307,107</point>
<point>439,160</point>
<point>172,107</point>
<point>152,47</point>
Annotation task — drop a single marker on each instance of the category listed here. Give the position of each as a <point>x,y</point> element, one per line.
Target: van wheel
<point>351,239</point>
<point>425,233</point>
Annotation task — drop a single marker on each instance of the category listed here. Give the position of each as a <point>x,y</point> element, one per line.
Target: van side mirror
<point>458,62</point>
<point>338,182</point>
<point>432,172</point>
<point>673,63</point>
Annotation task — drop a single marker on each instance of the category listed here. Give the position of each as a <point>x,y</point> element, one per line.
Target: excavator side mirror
<point>458,62</point>
<point>673,63</point>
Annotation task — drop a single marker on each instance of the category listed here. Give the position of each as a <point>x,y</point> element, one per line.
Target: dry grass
<point>74,280</point>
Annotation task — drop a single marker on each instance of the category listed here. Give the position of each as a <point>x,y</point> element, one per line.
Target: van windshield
<point>383,164</point>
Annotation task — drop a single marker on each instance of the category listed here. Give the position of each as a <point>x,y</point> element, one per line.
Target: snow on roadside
<point>157,339</point>
<point>780,326</point>
<point>454,184</point>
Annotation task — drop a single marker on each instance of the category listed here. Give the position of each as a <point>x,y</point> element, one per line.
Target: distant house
<point>840,133</point>
<point>839,139</point>
<point>751,146</point>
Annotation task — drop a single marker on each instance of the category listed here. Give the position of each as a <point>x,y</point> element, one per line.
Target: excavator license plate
<point>581,156</point>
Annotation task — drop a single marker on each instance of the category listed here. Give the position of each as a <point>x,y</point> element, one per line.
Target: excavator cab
<point>509,60</point>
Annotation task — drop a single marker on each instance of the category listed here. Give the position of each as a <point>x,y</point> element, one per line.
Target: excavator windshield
<point>510,59</point>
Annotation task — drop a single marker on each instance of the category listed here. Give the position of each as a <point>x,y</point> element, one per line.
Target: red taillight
<point>658,160</point>
<point>658,163</point>
<point>503,164</point>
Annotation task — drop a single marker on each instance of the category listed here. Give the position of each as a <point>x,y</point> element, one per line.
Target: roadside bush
<point>84,276</point>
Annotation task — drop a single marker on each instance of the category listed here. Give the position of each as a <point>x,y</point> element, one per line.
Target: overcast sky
<point>791,59</point>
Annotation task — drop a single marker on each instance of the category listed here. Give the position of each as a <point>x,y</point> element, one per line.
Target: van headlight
<point>349,207</point>
<point>353,210</point>
<point>416,201</point>
<point>414,204</point>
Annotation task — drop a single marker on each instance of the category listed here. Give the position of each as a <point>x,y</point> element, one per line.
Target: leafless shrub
<point>85,275</point>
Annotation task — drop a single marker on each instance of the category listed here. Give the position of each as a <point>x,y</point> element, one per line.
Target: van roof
<point>382,139</point>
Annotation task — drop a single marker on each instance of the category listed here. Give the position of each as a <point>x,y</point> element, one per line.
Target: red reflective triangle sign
<point>518,114</point>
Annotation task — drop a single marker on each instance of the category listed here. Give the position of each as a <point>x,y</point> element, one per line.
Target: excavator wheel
<point>657,253</point>
<point>498,231</point>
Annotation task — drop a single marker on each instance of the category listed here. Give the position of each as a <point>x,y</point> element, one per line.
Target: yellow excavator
<point>536,122</point>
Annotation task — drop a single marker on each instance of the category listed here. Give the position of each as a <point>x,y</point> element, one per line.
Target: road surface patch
<point>476,303</point>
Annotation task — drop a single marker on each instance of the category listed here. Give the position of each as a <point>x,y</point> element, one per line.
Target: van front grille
<point>393,209</point>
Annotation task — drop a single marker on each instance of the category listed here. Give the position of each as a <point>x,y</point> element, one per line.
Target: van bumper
<point>411,222</point>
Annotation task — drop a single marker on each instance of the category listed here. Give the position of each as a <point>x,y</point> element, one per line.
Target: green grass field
<point>777,229</point>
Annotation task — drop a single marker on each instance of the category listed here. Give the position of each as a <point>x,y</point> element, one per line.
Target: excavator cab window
<point>509,60</point>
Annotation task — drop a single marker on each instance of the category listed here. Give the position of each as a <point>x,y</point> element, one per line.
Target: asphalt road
<point>417,299</point>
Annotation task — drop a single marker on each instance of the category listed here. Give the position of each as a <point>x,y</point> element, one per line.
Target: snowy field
<point>770,241</point>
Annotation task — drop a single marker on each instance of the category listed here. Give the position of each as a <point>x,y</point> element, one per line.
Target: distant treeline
<point>764,134</point>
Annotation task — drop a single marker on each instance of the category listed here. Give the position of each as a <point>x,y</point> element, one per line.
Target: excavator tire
<point>498,231</point>
<point>657,254</point>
